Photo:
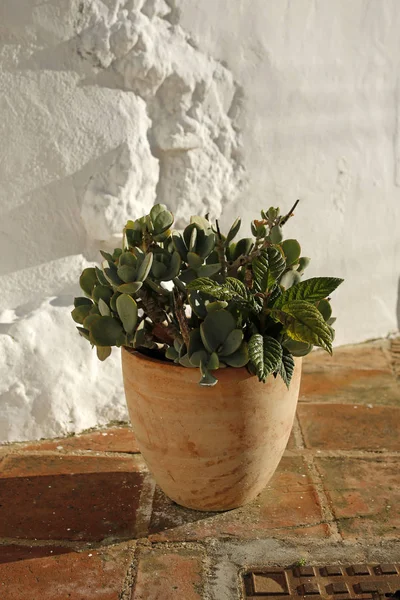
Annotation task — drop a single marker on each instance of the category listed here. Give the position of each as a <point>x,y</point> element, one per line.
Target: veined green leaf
<point>311,290</point>
<point>286,367</point>
<point>304,323</point>
<point>265,354</point>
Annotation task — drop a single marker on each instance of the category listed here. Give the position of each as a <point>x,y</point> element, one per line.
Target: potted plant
<point>212,333</point>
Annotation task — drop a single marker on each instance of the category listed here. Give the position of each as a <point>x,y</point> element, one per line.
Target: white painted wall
<point>225,106</point>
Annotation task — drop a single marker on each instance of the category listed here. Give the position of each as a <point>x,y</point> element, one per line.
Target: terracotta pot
<point>212,448</point>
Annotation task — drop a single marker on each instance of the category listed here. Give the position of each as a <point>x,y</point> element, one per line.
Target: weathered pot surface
<point>210,449</point>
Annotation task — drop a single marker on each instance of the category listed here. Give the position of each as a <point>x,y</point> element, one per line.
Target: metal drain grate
<point>376,582</point>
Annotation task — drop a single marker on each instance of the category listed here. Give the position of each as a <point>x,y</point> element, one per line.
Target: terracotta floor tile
<point>169,575</point>
<point>69,497</point>
<point>90,575</point>
<point>290,501</point>
<point>115,439</point>
<point>350,427</point>
<point>353,375</point>
<point>365,495</point>
<point>13,552</point>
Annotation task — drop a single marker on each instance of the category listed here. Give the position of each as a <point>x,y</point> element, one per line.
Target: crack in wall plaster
<point>193,104</point>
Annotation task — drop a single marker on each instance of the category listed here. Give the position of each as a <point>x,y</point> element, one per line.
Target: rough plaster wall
<point>208,105</point>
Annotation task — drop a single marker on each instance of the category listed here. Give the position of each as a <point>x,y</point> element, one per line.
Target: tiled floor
<point>82,519</point>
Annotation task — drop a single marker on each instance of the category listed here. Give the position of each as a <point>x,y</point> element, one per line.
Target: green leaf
<point>88,280</point>
<point>104,292</point>
<point>208,270</point>
<point>265,354</point>
<point>292,250</point>
<point>84,333</point>
<point>173,269</point>
<point>297,348</point>
<point>304,323</point>
<point>106,331</point>
<point>215,329</point>
<point>194,260</point>
<point>312,290</point>
<point>201,222</point>
<point>261,272</point>
<point>104,308</point>
<point>107,256</point>
<point>103,352</point>
<point>325,309</point>
<point>80,313</point>
<point>233,231</point>
<point>179,245</point>
<point>127,273</point>
<point>81,300</point>
<point>130,288</point>
<point>276,263</point>
<point>276,234</point>
<point>161,218</point>
<point>231,289</point>
<point>243,247</point>
<point>127,259</point>
<point>111,273</point>
<point>205,245</point>
<point>127,311</point>
<point>240,358</point>
<point>286,368</point>
<point>289,279</point>
<point>145,267</point>
<point>101,277</point>
<point>232,343</point>
<point>207,379</point>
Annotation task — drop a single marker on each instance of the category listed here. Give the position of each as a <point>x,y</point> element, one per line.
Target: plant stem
<point>221,252</point>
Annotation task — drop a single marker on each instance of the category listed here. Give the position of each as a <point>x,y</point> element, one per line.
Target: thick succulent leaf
<point>104,292</point>
<point>171,353</point>
<point>158,269</point>
<point>106,331</point>
<point>188,233</point>
<point>101,276</point>
<point>213,362</point>
<point>297,348</point>
<point>243,247</point>
<point>194,260</point>
<point>161,218</point>
<point>173,268</point>
<point>195,342</point>
<point>291,250</point>
<point>127,273</point>
<point>209,270</point>
<point>107,256</point>
<point>80,313</point>
<point>81,300</point>
<point>325,309</point>
<point>304,261</point>
<point>212,306</point>
<point>289,279</point>
<point>113,301</point>
<point>197,357</point>
<point>127,259</point>
<point>232,343</point>
<point>130,288</point>
<point>304,323</point>
<point>84,333</point>
<point>233,230</point>
<point>90,319</point>
<point>88,280</point>
<point>187,276</point>
<point>179,245</point>
<point>111,273</point>
<point>286,367</point>
<point>103,352</point>
<point>207,379</point>
<point>215,329</point>
<point>104,308</point>
<point>197,303</point>
<point>205,245</point>
<point>276,234</point>
<point>127,312</point>
<point>265,354</point>
<point>240,358</point>
<point>201,222</point>
<point>145,267</point>
<point>312,290</point>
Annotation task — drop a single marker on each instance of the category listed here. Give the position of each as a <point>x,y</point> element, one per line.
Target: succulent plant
<point>202,300</point>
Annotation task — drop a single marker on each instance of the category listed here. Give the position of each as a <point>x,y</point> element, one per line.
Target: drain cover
<point>337,582</point>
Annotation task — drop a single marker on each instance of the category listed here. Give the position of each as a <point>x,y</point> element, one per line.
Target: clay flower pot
<point>209,449</point>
